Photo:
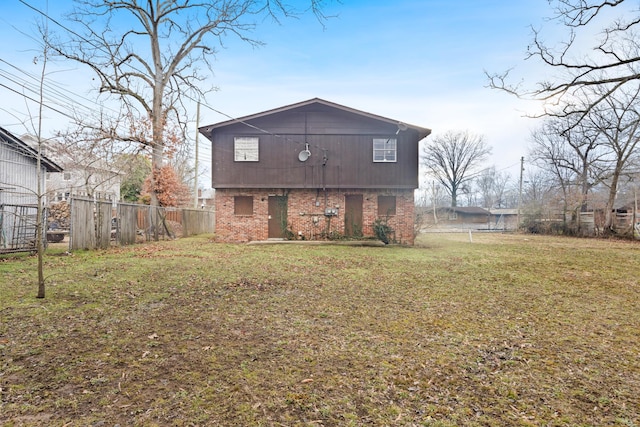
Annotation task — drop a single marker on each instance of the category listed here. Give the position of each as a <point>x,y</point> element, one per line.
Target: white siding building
<point>18,171</point>
<point>19,191</point>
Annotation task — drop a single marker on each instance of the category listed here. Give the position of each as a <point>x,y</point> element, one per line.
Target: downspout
<point>324,182</point>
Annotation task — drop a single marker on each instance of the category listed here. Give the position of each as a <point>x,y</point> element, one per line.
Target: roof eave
<point>422,132</point>
<point>50,165</point>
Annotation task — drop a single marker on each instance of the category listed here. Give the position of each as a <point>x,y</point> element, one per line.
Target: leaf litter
<point>506,330</point>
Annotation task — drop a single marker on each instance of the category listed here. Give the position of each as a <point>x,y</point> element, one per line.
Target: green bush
<point>383,231</point>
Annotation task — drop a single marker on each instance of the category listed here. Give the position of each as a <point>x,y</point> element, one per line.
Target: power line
<point>98,47</point>
<point>57,94</point>
<point>36,101</point>
<point>49,18</point>
<point>183,95</point>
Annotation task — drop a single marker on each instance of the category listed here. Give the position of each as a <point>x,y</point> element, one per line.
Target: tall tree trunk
<point>157,149</point>
<point>608,228</point>
<point>585,189</point>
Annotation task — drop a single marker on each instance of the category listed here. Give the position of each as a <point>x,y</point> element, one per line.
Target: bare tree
<point>500,188</point>
<point>484,183</point>
<point>491,185</point>
<point>539,186</point>
<point>89,155</point>
<point>540,198</point>
<point>40,217</point>
<point>33,124</point>
<point>151,62</point>
<point>40,228</point>
<point>452,159</point>
<point>574,154</point>
<point>618,119</point>
<point>612,64</point>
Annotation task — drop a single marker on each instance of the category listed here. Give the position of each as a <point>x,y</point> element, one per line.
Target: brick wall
<point>306,217</point>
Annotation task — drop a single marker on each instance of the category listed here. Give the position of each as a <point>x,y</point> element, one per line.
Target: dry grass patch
<point>507,330</point>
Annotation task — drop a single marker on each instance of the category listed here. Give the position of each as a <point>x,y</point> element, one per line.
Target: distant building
<point>84,174</point>
<point>206,198</point>
<point>470,218</point>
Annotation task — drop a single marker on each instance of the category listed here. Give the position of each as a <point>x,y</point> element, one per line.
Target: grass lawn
<point>507,330</point>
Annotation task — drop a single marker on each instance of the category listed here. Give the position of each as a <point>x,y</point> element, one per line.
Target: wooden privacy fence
<point>197,222</point>
<point>99,223</point>
<point>90,223</point>
<point>625,223</point>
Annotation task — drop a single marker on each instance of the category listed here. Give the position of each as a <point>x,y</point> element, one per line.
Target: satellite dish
<point>304,155</point>
<point>401,127</point>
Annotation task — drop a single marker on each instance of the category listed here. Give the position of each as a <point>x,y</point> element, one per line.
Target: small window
<point>67,176</point>
<point>386,205</point>
<point>245,149</point>
<point>384,149</point>
<point>243,205</point>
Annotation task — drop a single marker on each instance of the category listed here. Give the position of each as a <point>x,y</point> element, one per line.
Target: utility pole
<point>195,178</point>
<point>520,191</point>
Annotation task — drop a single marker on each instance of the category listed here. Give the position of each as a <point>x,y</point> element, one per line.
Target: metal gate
<point>18,228</point>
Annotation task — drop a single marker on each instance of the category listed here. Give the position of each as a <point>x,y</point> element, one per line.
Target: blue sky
<point>416,61</point>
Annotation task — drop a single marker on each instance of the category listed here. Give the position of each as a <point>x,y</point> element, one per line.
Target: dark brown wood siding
<point>341,146</point>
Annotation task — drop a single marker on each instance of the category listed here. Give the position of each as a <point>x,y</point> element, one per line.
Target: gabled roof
<point>23,148</point>
<point>315,102</point>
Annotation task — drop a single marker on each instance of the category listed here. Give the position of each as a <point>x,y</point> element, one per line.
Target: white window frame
<point>246,149</point>
<point>385,150</point>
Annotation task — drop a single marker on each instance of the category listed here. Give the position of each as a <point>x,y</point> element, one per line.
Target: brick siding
<point>305,214</point>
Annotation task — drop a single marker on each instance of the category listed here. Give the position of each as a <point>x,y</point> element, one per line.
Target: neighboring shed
<point>504,219</point>
<point>462,218</point>
<point>18,174</point>
<point>18,191</point>
<point>313,170</point>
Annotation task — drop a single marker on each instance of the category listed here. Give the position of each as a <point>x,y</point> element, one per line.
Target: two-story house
<point>313,170</point>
